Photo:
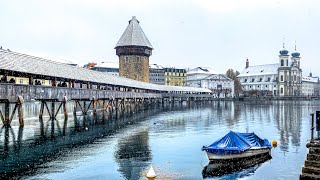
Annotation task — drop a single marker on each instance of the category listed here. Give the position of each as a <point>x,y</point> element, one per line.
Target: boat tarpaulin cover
<point>236,143</point>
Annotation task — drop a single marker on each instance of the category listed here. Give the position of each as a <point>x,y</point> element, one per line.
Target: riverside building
<point>310,85</point>
<point>279,79</point>
<point>220,85</point>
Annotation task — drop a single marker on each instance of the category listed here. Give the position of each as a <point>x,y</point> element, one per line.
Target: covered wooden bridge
<point>87,88</point>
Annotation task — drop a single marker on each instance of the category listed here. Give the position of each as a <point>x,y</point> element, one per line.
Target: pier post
<point>84,108</point>
<point>65,111</point>
<point>53,110</point>
<point>75,107</point>
<point>20,110</point>
<point>312,126</point>
<point>7,113</point>
<point>94,99</point>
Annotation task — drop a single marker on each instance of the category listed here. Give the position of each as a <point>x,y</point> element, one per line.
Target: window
<point>21,81</point>
<point>245,80</point>
<point>275,86</point>
<point>138,59</point>
<point>269,79</point>
<point>266,86</point>
<point>281,78</point>
<point>249,86</point>
<point>258,86</point>
<point>252,80</point>
<point>281,90</point>
<point>295,77</point>
<point>287,62</point>
<point>260,80</point>
<point>282,62</point>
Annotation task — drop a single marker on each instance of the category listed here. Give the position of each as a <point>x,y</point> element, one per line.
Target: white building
<point>111,68</point>
<point>310,85</point>
<point>220,85</point>
<point>279,79</point>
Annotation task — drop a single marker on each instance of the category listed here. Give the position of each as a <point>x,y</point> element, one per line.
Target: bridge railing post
<point>312,126</point>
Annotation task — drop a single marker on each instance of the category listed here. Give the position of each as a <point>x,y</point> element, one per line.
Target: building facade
<point>134,50</point>
<point>310,85</point>
<point>156,74</point>
<point>111,68</point>
<point>175,77</point>
<point>220,85</point>
<point>280,79</point>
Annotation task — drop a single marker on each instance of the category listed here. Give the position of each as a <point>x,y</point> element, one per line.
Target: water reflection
<point>289,118</point>
<point>235,169</point>
<point>26,150</point>
<point>133,154</point>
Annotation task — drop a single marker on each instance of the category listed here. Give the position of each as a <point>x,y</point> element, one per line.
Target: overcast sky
<point>189,33</point>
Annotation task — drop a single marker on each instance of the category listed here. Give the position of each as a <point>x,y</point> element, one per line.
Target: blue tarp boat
<point>236,145</point>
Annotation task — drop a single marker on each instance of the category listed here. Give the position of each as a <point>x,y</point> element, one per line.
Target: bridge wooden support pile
<point>7,117</point>
<point>111,106</point>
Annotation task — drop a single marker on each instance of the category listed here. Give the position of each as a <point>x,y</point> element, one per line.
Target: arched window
<point>282,62</point>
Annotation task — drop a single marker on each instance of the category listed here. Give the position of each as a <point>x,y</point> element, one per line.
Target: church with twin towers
<point>283,78</point>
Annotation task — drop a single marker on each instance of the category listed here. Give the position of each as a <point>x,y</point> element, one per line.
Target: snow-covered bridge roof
<point>23,63</point>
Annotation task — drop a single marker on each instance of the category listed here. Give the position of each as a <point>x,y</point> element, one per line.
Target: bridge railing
<point>30,92</point>
<point>177,95</point>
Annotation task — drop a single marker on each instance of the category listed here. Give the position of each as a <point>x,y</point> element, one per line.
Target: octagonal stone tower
<point>134,49</point>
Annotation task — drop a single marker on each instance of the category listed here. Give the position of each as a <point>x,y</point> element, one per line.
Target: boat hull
<point>243,166</point>
<point>246,154</point>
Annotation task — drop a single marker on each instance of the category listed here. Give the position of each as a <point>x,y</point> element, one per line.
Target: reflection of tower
<point>134,50</point>
<point>133,154</point>
<point>289,123</point>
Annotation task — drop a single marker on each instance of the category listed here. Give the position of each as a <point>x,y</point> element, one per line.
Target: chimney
<point>247,63</point>
<point>310,74</point>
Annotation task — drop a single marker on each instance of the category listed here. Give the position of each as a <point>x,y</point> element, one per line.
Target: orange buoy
<point>274,143</point>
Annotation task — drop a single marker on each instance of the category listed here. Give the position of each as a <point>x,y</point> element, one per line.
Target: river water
<point>169,138</point>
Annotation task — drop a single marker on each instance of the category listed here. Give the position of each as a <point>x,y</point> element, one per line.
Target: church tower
<point>283,73</point>
<point>296,72</point>
<point>134,50</point>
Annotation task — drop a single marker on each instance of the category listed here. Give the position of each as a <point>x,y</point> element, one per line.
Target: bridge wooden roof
<point>26,64</point>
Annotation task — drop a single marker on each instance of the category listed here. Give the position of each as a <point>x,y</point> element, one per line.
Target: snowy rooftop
<point>23,63</point>
<point>134,36</point>
<point>265,69</point>
<point>114,65</point>
<point>310,79</point>
<point>155,66</point>
<point>201,70</point>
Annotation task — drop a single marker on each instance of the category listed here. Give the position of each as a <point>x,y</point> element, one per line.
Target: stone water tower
<point>134,49</point>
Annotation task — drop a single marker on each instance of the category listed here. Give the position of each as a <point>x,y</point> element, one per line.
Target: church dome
<point>295,54</point>
<point>284,52</point>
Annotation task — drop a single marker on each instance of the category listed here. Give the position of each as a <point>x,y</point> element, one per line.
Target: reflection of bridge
<point>21,155</point>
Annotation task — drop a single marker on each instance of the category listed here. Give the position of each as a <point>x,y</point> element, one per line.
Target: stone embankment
<point>311,169</point>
